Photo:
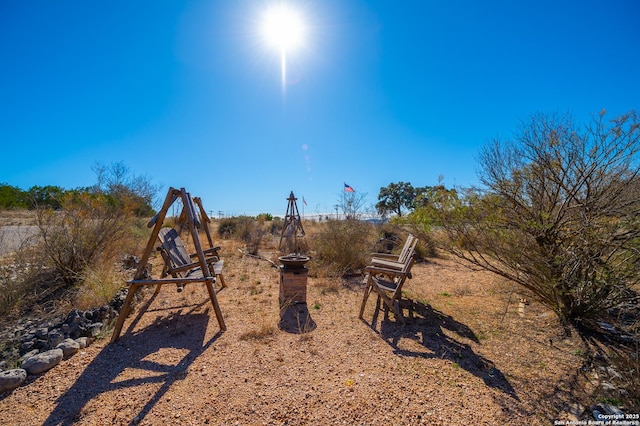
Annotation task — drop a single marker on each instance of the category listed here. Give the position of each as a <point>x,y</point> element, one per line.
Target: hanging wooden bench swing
<point>203,266</point>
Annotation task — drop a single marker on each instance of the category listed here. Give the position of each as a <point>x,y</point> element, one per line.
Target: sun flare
<point>283,28</point>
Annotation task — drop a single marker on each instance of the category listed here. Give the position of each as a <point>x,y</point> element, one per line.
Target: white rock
<point>69,347</point>
<point>83,342</point>
<point>43,361</point>
<point>11,379</point>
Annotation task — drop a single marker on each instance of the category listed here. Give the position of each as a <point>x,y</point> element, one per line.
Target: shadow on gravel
<point>427,326</point>
<point>178,330</point>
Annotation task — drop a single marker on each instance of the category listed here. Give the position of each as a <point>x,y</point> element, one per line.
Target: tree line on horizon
<point>115,185</point>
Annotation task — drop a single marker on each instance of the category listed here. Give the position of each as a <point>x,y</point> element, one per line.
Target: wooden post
<point>188,203</point>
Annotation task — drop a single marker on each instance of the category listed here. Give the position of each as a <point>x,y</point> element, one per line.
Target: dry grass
<point>17,217</point>
<point>99,285</point>
<point>261,331</point>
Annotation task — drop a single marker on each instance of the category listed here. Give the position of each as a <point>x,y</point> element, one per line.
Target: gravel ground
<point>467,357</point>
<point>12,237</point>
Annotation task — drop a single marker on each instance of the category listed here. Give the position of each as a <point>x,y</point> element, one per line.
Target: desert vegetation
<point>72,257</point>
<point>556,218</point>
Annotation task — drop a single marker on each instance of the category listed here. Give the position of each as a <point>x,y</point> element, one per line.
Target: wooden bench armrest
<point>384,255</point>
<point>383,271</point>
<point>212,250</point>
<point>389,264</point>
<point>186,267</point>
<point>213,262</point>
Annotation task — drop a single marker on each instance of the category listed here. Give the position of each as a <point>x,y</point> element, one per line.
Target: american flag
<point>347,188</point>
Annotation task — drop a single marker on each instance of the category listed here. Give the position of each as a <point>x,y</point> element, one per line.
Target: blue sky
<point>188,94</point>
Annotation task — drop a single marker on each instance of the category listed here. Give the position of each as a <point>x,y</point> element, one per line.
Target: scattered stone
<point>607,386</point>
<point>69,347</point>
<point>602,410</point>
<point>42,332</point>
<point>607,327</point>
<point>74,317</point>
<point>11,379</point>
<point>130,261</point>
<point>95,329</point>
<point>83,342</point>
<point>26,347</point>
<point>613,373</point>
<point>56,337</point>
<point>42,362</point>
<point>29,354</point>
<point>41,344</point>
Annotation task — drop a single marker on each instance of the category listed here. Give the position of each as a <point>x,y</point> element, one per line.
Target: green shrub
<point>82,235</point>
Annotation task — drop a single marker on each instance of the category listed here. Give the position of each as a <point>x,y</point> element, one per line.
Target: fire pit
<point>293,279</point>
<point>294,314</point>
<point>293,261</point>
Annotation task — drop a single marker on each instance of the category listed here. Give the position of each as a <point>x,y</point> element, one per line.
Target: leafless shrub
<point>85,229</point>
<point>558,215</point>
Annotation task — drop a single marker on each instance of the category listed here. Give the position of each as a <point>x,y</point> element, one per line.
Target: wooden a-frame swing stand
<point>189,217</point>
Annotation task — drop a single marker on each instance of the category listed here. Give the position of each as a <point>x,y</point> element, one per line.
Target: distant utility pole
<point>220,214</point>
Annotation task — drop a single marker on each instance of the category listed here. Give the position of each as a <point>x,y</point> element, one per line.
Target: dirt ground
<point>468,356</point>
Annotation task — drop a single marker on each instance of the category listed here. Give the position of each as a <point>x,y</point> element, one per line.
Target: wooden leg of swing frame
<point>124,312</point>
<point>216,306</point>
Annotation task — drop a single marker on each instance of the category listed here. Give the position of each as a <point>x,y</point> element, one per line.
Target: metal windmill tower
<point>292,223</point>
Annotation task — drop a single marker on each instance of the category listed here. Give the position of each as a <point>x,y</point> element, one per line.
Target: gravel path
<point>12,237</point>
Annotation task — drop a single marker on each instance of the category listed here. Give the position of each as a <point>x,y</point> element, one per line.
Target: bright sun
<point>283,28</point>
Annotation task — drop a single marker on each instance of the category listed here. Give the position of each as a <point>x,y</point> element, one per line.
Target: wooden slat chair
<point>178,262</point>
<point>395,261</point>
<point>387,283</point>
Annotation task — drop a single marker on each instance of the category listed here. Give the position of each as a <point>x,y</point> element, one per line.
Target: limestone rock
<point>11,379</point>
<point>43,361</point>
<point>55,337</point>
<point>69,347</point>
<point>29,354</point>
<point>95,328</point>
<point>83,342</point>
